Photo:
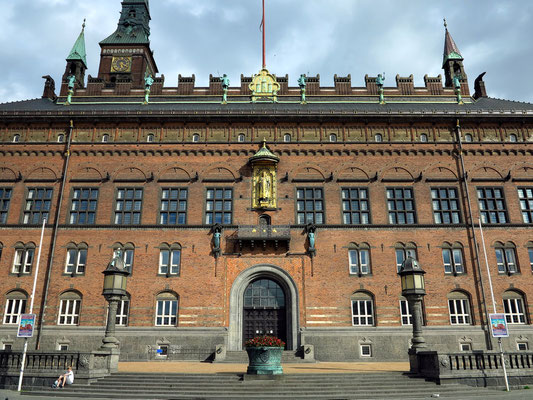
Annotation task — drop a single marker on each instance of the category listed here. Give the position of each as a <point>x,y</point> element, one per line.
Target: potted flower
<point>264,355</point>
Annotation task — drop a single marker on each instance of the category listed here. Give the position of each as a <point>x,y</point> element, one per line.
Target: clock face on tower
<point>121,64</point>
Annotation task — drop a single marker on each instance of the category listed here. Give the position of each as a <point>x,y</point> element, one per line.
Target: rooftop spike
<point>451,51</point>
<point>78,52</point>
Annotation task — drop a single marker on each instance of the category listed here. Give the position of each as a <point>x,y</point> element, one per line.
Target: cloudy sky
<point>323,37</point>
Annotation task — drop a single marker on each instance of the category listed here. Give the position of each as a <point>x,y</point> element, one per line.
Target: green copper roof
<point>264,154</point>
<point>78,52</point>
<point>133,25</point>
<point>451,51</point>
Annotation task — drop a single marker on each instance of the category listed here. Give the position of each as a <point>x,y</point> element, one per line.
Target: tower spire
<point>452,60</point>
<point>78,52</point>
<point>133,25</point>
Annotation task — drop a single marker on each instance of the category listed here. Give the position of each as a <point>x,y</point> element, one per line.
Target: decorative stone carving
<point>444,362</point>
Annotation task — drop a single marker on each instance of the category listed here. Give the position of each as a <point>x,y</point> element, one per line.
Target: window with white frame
<point>105,138</point>
<point>16,138</point>
<point>402,252</point>
<point>170,259</point>
<point>150,138</point>
<point>166,310</point>
<point>241,138</point>
<point>506,258</point>
<point>23,260</point>
<point>513,138</point>
<point>195,138</point>
<point>423,137</point>
<point>362,309</point>
<point>127,254</point>
<point>378,137</point>
<point>452,257</point>
<point>287,138</point>
<point>76,259</point>
<point>459,307</point>
<point>332,137</point>
<point>15,306</point>
<point>123,310</point>
<point>530,253</point>
<point>69,309</point>
<point>366,350</point>
<point>514,308</point>
<point>525,195</point>
<point>522,346</point>
<point>60,138</point>
<point>406,315</point>
<point>359,259</point>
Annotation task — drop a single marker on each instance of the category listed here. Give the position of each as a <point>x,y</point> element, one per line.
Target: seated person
<point>67,378</point>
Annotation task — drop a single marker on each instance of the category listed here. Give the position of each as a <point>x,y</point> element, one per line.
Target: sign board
<point>498,325</point>
<point>26,325</point>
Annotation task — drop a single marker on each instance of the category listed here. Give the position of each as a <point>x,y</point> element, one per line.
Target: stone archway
<point>236,305</point>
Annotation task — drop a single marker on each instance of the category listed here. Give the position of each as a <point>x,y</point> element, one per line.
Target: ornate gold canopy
<point>264,87</point>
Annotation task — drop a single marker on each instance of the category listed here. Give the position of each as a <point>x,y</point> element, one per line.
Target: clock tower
<point>126,55</point>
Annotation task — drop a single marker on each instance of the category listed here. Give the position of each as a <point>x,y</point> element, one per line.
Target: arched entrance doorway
<point>274,287</point>
<point>264,310</point>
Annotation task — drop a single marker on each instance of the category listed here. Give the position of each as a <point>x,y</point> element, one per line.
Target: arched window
<point>15,306</point>
<point>287,138</point>
<point>513,138</point>
<point>195,138</point>
<point>506,258</point>
<point>468,137</point>
<point>378,137</point>
<point>105,138</point>
<point>60,138</point>
<point>76,259</point>
<point>362,309</point>
<point>514,307</point>
<point>459,307</point>
<point>332,137</point>
<point>452,256</point>
<point>529,252</point>
<point>23,260</point>
<point>403,251</point>
<point>166,309</point>
<point>264,220</point>
<point>359,259</point>
<point>150,138</point>
<point>423,138</point>
<point>241,138</point>
<point>69,308</point>
<point>16,138</point>
<point>127,254</point>
<point>169,259</point>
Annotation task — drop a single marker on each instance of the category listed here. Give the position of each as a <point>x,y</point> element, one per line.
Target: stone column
<point>418,342</point>
<point>110,341</point>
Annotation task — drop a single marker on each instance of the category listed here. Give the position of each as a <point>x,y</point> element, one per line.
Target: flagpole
<point>493,304</point>
<point>264,40</point>
<point>32,300</point>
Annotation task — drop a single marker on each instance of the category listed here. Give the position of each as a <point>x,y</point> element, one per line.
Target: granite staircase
<point>150,386</point>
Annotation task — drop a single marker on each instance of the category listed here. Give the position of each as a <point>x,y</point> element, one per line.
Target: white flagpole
<point>493,303</point>
<point>31,305</point>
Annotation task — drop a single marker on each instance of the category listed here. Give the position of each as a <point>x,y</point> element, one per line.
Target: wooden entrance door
<point>264,310</point>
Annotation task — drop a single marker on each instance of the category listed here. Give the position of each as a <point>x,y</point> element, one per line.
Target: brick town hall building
<point>263,208</point>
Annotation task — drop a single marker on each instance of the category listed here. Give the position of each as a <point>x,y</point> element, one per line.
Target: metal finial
<point>83,25</point>
<point>445,24</point>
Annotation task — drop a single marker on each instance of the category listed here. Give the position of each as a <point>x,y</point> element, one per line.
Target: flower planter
<point>264,360</point>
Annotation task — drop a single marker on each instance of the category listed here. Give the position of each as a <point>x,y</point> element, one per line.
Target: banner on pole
<point>498,325</point>
<point>26,325</point>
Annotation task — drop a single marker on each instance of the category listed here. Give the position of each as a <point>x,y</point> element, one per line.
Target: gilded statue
<point>265,186</point>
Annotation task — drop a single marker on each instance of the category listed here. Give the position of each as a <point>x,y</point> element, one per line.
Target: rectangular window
<point>514,311</point>
<point>465,346</point>
<point>169,262</point>
<point>401,256</point>
<point>14,308</point>
<point>128,206</point>
<point>366,350</point>
<point>522,346</point>
<point>530,253</point>
<point>37,205</point>
<point>310,206</point>
<point>219,206</point>
<point>355,206</point>
<point>459,311</point>
<point>359,261</point>
<point>492,205</point>
<point>405,313</point>
<point>506,261</point>
<point>526,204</point>
<point>83,206</point>
<point>69,312</point>
<point>8,347</point>
<point>123,312</point>
<point>401,205</point>
<point>5,199</point>
<point>23,261</point>
<point>76,261</point>
<point>445,205</point>
<point>173,209</point>
<point>453,261</point>
<point>127,256</point>
<point>167,313</point>
<point>362,313</point>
